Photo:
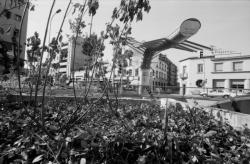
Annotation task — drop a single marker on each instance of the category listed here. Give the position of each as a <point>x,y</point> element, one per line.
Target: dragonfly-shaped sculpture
<point>177,40</point>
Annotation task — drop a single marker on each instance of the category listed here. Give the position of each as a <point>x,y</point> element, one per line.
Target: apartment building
<point>78,63</point>
<point>10,20</point>
<point>223,69</point>
<point>61,60</point>
<point>162,72</point>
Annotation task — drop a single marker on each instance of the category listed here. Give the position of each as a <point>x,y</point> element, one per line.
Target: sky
<point>224,23</point>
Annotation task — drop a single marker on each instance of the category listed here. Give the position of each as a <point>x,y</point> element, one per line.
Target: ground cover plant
<point>132,133</point>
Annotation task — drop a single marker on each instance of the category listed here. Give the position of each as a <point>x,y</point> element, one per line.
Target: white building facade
<point>229,71</point>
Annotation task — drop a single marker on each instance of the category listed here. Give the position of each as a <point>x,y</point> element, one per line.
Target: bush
<point>130,133</point>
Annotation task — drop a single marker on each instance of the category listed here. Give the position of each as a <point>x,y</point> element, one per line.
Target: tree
<point>93,46</point>
<point>63,79</point>
<point>5,60</point>
<point>34,52</point>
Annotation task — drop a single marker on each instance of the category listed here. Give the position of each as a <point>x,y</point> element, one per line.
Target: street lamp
<point>57,11</point>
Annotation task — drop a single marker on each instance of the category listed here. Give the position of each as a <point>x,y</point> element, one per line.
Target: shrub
<point>132,133</point>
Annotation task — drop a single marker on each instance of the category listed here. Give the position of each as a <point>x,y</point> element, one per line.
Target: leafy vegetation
<point>131,133</point>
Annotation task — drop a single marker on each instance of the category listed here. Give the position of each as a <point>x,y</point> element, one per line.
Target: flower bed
<point>126,133</point>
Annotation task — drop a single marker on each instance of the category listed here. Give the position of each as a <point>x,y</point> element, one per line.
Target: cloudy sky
<point>224,23</point>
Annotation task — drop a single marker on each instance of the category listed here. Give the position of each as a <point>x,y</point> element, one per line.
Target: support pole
<point>144,80</point>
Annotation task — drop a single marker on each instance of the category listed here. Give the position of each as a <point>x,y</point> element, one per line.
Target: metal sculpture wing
<point>177,39</point>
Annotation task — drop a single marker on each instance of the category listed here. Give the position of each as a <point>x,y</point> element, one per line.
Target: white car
<point>221,93</point>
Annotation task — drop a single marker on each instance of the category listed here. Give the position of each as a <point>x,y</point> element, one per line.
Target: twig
<point>50,60</point>
<point>38,124</point>
<point>43,49</point>
<point>55,157</point>
<point>74,51</point>
<point>18,50</point>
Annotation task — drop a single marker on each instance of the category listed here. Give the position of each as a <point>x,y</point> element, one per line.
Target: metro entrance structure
<point>177,40</point>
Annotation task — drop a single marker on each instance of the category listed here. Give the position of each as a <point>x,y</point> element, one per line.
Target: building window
<point>237,66</point>
<point>1,30</point>
<point>130,72</point>
<point>16,32</point>
<point>153,72</point>
<point>18,18</point>
<point>130,62</point>
<point>184,69</point>
<point>218,67</point>
<point>199,83</point>
<point>7,14</point>
<point>239,84</point>
<point>79,69</point>
<point>63,66</point>
<point>200,68</point>
<point>218,83</point>
<point>64,54</point>
<point>156,74</point>
<point>136,72</point>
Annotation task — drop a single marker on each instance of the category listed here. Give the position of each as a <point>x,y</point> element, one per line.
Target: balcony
<point>183,76</point>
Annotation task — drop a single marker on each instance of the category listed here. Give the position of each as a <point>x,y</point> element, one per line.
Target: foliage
<point>63,79</point>
<point>34,52</point>
<point>93,6</point>
<point>127,11</point>
<point>131,134</point>
<point>130,9</point>
<point>56,66</point>
<point>5,60</point>
<point>92,45</point>
<point>77,25</point>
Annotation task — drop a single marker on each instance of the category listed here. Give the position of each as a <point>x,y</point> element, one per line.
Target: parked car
<point>222,93</point>
<point>129,88</point>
